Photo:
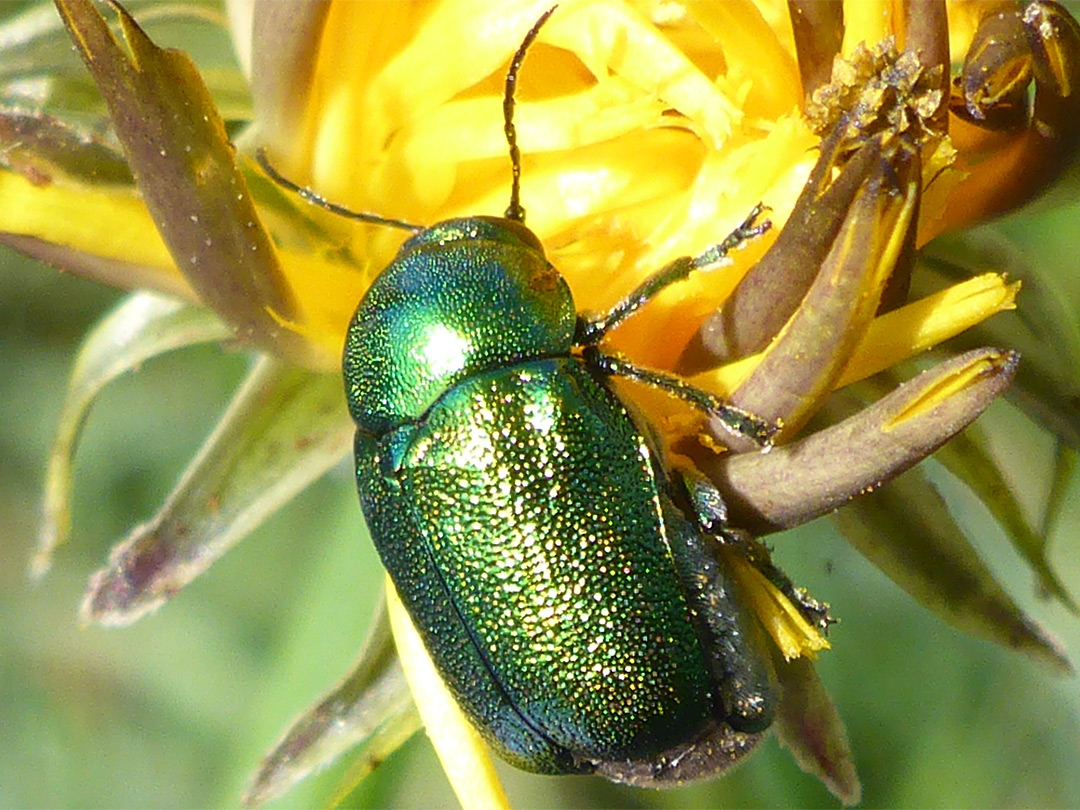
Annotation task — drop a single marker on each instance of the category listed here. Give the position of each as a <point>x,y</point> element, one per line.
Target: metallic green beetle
<point>565,579</point>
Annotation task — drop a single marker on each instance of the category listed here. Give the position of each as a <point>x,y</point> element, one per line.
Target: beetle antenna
<point>317,199</point>
<point>514,211</point>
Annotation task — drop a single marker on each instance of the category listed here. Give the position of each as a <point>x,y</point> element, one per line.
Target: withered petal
<point>285,40</point>
<point>1013,157</point>
<point>772,289</point>
<point>284,428</point>
<point>927,35</point>
<point>809,725</point>
<point>995,74</point>
<point>39,146</point>
<point>124,275</point>
<point>819,33</point>
<point>176,145</point>
<point>794,483</point>
<point>800,367</point>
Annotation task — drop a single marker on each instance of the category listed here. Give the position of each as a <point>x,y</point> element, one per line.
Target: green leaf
<point>33,42</point>
<point>1064,468</point>
<point>905,529</point>
<point>284,428</point>
<point>39,68</point>
<point>968,458</point>
<point>371,707</point>
<point>142,327</point>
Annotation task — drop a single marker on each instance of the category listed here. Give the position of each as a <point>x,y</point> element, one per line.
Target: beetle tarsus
<point>592,330</point>
<point>735,419</point>
<point>744,232</point>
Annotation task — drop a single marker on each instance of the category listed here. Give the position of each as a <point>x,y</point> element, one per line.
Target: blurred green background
<point>177,710</point>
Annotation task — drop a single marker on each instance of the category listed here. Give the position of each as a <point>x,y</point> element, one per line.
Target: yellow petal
<point>793,634</point>
<point>899,334</point>
<point>110,222</point>
<point>866,21</point>
<point>463,755</point>
<point>923,324</point>
<point>754,52</point>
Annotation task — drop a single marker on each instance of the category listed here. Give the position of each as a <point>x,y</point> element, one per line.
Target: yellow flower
<point>649,130</point>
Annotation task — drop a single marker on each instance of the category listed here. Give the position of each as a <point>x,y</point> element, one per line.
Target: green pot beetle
<point>566,579</point>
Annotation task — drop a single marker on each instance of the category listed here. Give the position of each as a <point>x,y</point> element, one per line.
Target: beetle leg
<point>716,750</point>
<point>708,507</point>
<point>592,329</point>
<point>739,422</point>
<point>731,637</point>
